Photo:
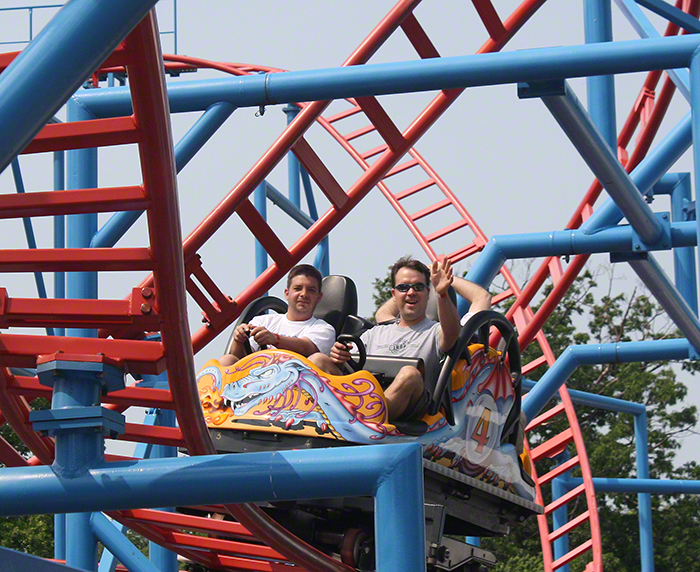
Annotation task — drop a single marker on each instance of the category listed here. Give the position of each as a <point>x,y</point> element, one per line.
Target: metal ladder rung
<point>75,259</point>
<point>447,230</point>
<point>565,499</point>
<point>553,446</point>
<point>414,189</point>
<point>534,364</point>
<point>360,132</point>
<point>343,114</point>
<point>546,416</point>
<point>84,135</point>
<point>575,553</point>
<point>558,470</point>
<point>79,201</point>
<point>430,210</point>
<point>569,526</point>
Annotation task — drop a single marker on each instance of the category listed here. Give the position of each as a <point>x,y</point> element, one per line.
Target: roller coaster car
<point>476,483</point>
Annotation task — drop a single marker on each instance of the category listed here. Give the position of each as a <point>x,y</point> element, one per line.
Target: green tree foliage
<point>585,316</point>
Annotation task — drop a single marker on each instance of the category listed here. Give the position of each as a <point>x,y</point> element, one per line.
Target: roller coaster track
<point>154,307</point>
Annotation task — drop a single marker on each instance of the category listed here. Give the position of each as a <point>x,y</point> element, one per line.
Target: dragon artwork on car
<point>278,391</point>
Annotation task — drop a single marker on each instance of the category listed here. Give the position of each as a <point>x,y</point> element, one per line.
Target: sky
<point>505,158</point>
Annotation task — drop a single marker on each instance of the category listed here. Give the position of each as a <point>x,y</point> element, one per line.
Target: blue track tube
<point>108,562</point>
<point>69,48</point>
<point>392,474</point>
<point>576,356</point>
<point>562,243</point>
<point>414,76</point>
<point>597,19</point>
<point>653,486</point>
<point>213,118</point>
<point>596,152</point>
<point>119,545</point>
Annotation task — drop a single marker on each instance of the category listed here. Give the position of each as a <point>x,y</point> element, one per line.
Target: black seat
<point>339,301</point>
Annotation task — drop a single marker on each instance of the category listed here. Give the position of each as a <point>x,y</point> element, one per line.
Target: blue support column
<point>597,16</point>
<point>293,166</point>
<point>678,186</point>
<point>59,536</point>
<point>78,427</point>
<point>560,517</point>
<point>695,111</point>
<point>82,174</point>
<point>646,534</point>
<point>260,200</point>
<point>59,228</point>
<point>163,559</point>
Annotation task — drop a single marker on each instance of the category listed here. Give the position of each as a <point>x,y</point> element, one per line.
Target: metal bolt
<point>637,247</point>
<point>146,292</point>
<point>145,308</point>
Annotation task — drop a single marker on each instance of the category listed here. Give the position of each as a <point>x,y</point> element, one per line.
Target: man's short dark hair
<point>304,270</point>
<point>409,262</point>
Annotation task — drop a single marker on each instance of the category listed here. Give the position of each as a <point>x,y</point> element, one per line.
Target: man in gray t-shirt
<point>413,335</point>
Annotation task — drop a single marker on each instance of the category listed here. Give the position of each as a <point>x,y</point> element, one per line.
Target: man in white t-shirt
<point>297,330</point>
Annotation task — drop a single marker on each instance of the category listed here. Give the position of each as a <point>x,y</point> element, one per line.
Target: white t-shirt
<point>320,332</point>
<point>466,317</point>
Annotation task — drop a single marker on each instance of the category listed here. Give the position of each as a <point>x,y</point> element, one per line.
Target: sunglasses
<point>405,287</point>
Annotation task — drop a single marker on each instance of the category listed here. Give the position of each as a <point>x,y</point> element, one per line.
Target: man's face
<point>302,296</point>
<point>411,304</point>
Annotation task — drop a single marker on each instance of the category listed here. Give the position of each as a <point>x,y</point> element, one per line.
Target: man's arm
<point>387,311</point>
<point>479,298</point>
<point>441,278</point>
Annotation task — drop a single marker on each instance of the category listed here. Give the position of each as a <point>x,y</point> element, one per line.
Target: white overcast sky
<point>506,159</point>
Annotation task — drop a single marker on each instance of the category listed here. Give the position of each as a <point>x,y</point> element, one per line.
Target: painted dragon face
<point>265,382</point>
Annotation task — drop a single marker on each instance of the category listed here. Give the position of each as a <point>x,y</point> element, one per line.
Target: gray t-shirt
<point>421,340</point>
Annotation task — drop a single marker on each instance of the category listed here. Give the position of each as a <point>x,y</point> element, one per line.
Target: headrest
<point>431,310</point>
<point>339,300</point>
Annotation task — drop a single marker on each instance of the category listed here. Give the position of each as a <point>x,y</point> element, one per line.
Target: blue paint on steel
<point>597,18</point>
<point>260,200</point>
<point>81,543</point>
<point>563,243</point>
<point>673,14</point>
<point>393,474</point>
<point>13,560</point>
<point>293,164</point>
<point>70,47</point>
<point>59,536</point>
<point>82,174</point>
<point>646,29</point>
<point>652,486</point>
<point>118,544</point>
<point>323,253</point>
<point>695,111</point>
<point>683,258</point>
<point>665,292</point>
<point>59,228</point>
<point>294,212</point>
<point>646,533</point>
<point>406,77</point>
<point>560,517</point>
<point>108,562</point>
<point>596,152</point>
<point>575,356</point>
<point>657,162</point>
